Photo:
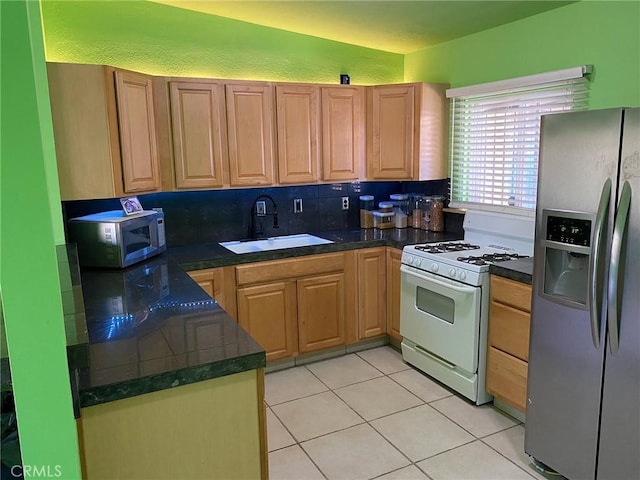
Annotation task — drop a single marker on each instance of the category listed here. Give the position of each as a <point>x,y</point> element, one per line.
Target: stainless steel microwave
<point>113,239</point>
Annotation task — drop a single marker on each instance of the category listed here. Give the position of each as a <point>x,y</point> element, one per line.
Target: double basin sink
<point>274,243</point>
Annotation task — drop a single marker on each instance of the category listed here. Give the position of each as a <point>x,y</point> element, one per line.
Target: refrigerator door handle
<point>616,271</point>
<point>597,282</point>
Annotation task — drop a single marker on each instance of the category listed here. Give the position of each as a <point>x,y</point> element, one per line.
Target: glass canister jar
<point>366,211</point>
<point>401,209</point>
<point>436,213</point>
<point>417,212</point>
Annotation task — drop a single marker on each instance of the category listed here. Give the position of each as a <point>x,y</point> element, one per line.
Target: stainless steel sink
<point>275,243</point>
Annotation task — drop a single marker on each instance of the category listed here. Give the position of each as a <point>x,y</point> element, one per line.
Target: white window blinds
<point>495,136</point>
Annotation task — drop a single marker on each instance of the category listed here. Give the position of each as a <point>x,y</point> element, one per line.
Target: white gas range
<point>444,300</point>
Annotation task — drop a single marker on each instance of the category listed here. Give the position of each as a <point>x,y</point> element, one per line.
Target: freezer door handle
<point>597,280</point>
<point>616,271</point>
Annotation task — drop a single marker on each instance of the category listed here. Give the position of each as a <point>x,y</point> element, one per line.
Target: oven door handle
<point>460,289</point>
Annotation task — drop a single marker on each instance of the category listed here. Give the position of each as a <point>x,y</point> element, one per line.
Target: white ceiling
<point>391,25</point>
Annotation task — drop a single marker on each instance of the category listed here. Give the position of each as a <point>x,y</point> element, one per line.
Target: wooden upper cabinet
<point>298,121</point>
<point>198,126</point>
<point>407,132</point>
<point>343,133</point>
<point>140,162</point>
<point>104,131</point>
<point>250,134</point>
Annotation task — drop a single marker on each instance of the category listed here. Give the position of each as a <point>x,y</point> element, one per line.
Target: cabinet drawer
<point>507,378</point>
<point>510,292</point>
<point>509,330</point>
<point>287,269</point>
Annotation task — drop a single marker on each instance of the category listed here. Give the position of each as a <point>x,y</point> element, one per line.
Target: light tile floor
<point>370,415</point>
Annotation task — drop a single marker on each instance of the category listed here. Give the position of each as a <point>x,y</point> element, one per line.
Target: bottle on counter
<point>382,220</point>
<point>426,213</point>
<point>366,211</point>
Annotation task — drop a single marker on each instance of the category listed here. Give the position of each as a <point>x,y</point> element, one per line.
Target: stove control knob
<point>434,267</point>
<point>452,272</point>
<point>409,259</point>
<point>462,275</point>
<point>418,262</point>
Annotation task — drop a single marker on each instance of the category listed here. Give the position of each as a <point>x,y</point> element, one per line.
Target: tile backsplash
<point>208,216</point>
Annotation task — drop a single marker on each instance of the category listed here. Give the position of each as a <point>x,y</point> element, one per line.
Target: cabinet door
<point>199,146</point>
<point>138,146</point>
<point>391,132</point>
<point>268,314</point>
<point>321,312</point>
<point>343,138</point>
<point>212,282</point>
<point>250,134</point>
<point>371,292</point>
<point>393,293</point>
<point>298,133</point>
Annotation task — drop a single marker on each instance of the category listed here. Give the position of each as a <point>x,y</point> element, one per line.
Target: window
<point>495,134</point>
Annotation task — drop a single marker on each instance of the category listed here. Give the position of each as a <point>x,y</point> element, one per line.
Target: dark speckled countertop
<point>195,257</point>
<point>151,327</point>
<point>520,270</point>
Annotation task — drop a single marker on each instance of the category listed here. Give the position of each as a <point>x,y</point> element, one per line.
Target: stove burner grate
<point>446,247</point>
<point>489,258</point>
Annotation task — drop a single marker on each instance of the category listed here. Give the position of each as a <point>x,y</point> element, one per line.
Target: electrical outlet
<point>345,203</point>
<point>297,205</point>
<point>261,208</point>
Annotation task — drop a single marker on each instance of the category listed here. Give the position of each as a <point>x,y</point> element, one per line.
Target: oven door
<point>441,316</point>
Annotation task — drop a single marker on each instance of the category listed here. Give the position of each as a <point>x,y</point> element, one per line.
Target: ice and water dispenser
<point>568,250</point>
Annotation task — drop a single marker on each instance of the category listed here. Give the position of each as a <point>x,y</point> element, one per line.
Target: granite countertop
<point>210,255</point>
<point>150,328</point>
<point>520,270</point>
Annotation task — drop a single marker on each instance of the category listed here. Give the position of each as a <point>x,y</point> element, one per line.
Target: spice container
<point>436,213</point>
<point>366,211</point>
<point>382,220</point>
<point>426,213</point>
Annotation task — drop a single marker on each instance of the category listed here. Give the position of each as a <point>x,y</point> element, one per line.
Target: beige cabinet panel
<point>104,131</point>
<point>393,292</point>
<point>321,312</point>
<point>298,121</point>
<point>210,429</point>
<point>343,133</point>
<point>372,301</point>
<point>199,134</point>
<point>250,134</point>
<point>268,313</point>
<point>407,132</point>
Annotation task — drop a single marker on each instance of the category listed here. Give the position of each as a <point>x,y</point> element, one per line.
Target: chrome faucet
<point>255,227</point>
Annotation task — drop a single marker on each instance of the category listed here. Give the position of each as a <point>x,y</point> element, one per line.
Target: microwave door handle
<point>617,269</point>
<point>597,282</point>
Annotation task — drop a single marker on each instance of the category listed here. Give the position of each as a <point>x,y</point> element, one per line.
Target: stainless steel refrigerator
<point>583,411</point>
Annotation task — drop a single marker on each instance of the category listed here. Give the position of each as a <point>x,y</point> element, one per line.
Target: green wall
<point>29,283</point>
<point>605,34</point>
<point>164,40</point>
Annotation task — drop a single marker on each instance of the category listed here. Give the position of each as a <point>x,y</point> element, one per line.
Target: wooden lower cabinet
<point>210,429</point>
<point>393,293</point>
<point>298,305</point>
<point>508,349</point>
<point>372,301</point>
<point>220,284</point>
<point>268,313</point>
<point>321,314</point>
